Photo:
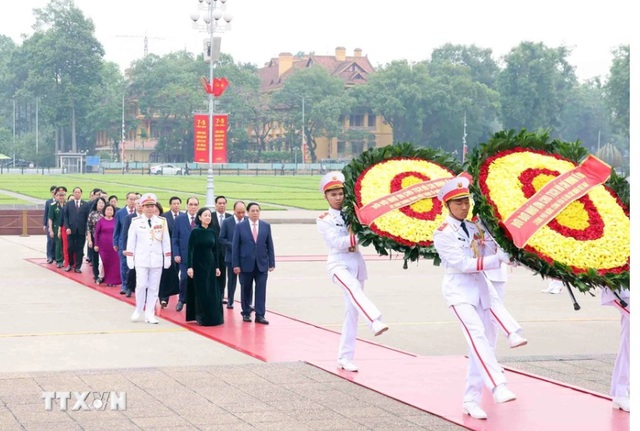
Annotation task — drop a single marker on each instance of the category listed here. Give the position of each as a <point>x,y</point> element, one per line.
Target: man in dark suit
<point>218,217</point>
<point>51,245</point>
<point>226,241</point>
<point>180,245</point>
<point>174,211</point>
<point>252,256</point>
<point>75,220</point>
<point>125,236</point>
<point>118,237</point>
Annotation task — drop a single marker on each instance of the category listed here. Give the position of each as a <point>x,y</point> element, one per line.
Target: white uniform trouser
<point>147,288</point>
<point>620,376</point>
<point>483,366</point>
<point>355,303</point>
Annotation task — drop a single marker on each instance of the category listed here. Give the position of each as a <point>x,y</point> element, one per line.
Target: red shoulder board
<point>323,215</point>
<point>475,219</point>
<point>442,226</point>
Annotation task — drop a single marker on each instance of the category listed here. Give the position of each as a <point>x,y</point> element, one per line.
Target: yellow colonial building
<point>361,130</point>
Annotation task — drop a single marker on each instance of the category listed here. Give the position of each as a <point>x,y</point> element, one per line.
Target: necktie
<point>255,232</point>
<point>131,211</point>
<point>463,225</point>
<point>344,218</point>
<point>77,204</point>
<point>149,221</point>
<point>193,221</point>
<point>221,219</point>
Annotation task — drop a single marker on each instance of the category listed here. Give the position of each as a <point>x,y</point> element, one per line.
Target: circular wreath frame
<point>506,140</point>
<point>353,170</point>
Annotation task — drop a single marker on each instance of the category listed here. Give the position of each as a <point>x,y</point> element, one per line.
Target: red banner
<point>554,197</point>
<point>220,123</point>
<point>402,198</point>
<point>201,138</point>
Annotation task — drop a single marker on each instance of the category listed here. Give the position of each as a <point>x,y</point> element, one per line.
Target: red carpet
<point>433,384</point>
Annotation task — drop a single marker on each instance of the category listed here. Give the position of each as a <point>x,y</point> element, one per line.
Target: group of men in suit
<point>72,214</point>
<point>247,256</point>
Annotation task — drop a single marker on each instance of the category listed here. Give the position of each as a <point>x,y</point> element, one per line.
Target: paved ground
<point>56,335</point>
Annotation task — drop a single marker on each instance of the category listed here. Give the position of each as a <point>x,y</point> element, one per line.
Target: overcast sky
<point>384,30</point>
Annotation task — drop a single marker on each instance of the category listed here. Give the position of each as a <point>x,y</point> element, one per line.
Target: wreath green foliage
<point>357,166</point>
<point>574,151</point>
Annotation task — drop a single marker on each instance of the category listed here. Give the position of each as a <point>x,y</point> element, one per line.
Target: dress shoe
<point>49,260</point>
<point>164,303</point>
<point>621,403</point>
<point>246,318</point>
<point>135,317</point>
<point>230,306</point>
<point>128,293</point>
<point>347,365</point>
<point>515,340</point>
<point>554,288</point>
<point>152,320</point>
<point>179,306</point>
<point>67,269</point>
<point>59,265</point>
<point>472,409</point>
<point>224,301</point>
<point>378,327</point>
<point>260,319</point>
<point>99,280</point>
<point>501,394</point>
<point>77,271</point>
<point>123,291</point>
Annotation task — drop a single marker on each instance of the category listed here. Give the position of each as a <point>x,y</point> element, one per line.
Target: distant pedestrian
<point>51,246</point>
<point>103,245</point>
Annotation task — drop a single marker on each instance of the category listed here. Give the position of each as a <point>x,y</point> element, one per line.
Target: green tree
<point>478,61</point>
<point>617,90</point>
<point>396,92</point>
<point>64,64</point>
<point>325,101</point>
<point>585,116</point>
<point>534,86</point>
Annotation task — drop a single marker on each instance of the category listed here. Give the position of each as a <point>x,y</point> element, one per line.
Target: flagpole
<point>464,137</point>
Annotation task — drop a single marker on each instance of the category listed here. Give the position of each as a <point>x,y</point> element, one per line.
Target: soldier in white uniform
<point>466,254</point>
<point>347,269</point>
<point>620,378</point>
<point>148,250</point>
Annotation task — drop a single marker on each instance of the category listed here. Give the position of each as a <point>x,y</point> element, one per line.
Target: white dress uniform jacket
<point>150,244</point>
<point>464,279</point>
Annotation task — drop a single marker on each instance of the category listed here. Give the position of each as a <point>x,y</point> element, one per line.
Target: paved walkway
<point>56,335</point>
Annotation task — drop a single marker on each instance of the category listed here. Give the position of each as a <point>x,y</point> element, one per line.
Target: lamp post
<point>213,12</point>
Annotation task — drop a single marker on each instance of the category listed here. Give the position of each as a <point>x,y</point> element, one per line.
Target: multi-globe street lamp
<point>214,20</point>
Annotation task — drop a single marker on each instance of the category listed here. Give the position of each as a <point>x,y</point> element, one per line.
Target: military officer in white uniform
<point>347,269</point>
<point>472,298</point>
<point>148,250</point>
<point>620,377</point>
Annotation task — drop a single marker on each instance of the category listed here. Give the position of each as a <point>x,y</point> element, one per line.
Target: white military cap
<point>332,180</point>
<point>455,188</point>
<point>148,199</point>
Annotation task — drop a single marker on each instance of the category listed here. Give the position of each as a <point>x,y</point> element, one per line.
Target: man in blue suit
<point>180,245</point>
<point>118,237</point>
<point>252,256</point>
<point>174,211</point>
<point>51,245</point>
<point>226,241</point>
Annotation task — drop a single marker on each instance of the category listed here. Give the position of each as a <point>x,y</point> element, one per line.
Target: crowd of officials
<point>193,254</point>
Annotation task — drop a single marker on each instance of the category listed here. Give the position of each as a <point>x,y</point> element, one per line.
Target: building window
<point>356,120</point>
<point>371,121</point>
<point>340,147</point>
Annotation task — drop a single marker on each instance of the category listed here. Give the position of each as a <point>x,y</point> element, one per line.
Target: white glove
<point>502,256</point>
<point>130,262</point>
<point>167,262</point>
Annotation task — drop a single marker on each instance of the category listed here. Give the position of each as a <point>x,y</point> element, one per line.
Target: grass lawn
<point>271,192</point>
